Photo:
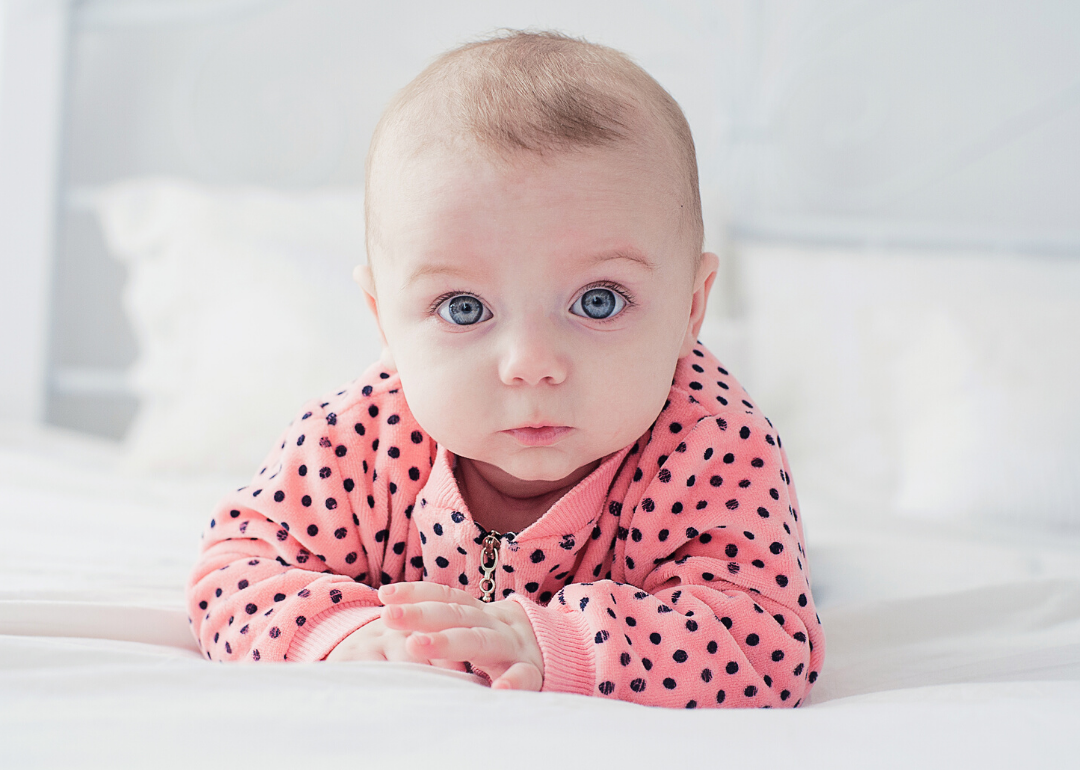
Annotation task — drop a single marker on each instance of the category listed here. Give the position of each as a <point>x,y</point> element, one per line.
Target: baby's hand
<point>374,641</point>
<point>445,623</point>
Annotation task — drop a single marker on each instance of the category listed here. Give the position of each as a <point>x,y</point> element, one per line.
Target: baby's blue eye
<point>599,304</point>
<point>463,310</point>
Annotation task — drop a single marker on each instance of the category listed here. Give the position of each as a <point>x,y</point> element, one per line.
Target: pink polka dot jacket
<point>673,575</point>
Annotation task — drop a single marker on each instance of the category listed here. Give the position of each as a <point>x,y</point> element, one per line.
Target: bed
<point>910,328</point>
<point>970,660</point>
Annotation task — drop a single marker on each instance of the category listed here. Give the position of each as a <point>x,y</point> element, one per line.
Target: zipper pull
<point>489,560</point>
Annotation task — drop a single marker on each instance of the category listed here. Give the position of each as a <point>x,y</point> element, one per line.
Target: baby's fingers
<point>482,646</point>
<point>520,676</point>
<point>423,591</point>
<point>434,616</point>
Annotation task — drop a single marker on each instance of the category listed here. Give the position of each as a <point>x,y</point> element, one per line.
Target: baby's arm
<point>287,563</point>
<point>710,604</point>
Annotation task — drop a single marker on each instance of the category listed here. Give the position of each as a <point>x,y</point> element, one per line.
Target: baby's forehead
<point>463,174</point>
<point>450,192</point>
<point>568,219</point>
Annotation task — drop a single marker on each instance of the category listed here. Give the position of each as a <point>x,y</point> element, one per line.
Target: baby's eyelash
<point>434,307</point>
<point>615,288</point>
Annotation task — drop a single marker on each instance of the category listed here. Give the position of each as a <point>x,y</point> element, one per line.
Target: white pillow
<point>243,306</point>
<point>929,384</point>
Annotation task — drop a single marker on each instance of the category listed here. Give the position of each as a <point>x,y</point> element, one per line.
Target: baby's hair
<point>537,92</point>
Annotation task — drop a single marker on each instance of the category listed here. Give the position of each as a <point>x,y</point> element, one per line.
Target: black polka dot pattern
<point>701,511</point>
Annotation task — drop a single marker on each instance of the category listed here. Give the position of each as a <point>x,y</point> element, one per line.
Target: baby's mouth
<point>544,435</point>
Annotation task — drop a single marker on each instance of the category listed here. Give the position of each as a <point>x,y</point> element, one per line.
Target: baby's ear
<point>703,282</point>
<point>363,275</point>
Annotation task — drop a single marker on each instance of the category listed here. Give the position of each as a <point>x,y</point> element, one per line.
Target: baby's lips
<point>539,436</point>
<point>538,424</point>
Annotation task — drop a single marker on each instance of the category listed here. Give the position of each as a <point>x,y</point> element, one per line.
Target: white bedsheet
<point>947,647</point>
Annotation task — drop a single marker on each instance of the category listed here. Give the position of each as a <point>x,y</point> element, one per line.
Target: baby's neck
<point>509,505</point>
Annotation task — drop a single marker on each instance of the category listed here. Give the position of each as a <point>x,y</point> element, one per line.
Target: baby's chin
<point>538,464</point>
<point>541,471</point>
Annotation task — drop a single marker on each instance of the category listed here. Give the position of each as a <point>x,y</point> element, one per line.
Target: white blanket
<point>947,647</point>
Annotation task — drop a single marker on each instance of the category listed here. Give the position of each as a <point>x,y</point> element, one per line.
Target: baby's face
<point>557,292</point>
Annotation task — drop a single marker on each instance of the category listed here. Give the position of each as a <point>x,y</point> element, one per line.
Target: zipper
<point>489,561</point>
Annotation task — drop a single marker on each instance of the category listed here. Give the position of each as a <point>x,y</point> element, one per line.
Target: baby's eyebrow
<point>423,270</point>
<point>631,254</point>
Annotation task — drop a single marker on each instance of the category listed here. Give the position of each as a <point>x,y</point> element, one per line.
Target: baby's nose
<point>533,354</point>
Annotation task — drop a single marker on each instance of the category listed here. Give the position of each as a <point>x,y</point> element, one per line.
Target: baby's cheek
<point>632,388</point>
<point>630,411</point>
<point>457,413</point>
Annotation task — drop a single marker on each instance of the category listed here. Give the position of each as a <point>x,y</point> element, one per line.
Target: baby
<point>546,481</point>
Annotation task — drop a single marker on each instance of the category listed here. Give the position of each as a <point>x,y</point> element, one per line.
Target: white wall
<point>32,53</point>
<point>3,16</point>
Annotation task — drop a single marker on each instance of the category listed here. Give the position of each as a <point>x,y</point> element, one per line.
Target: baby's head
<point>534,242</point>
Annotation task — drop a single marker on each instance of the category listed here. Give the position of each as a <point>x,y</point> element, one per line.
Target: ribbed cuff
<point>324,632</point>
<point>566,646</point>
